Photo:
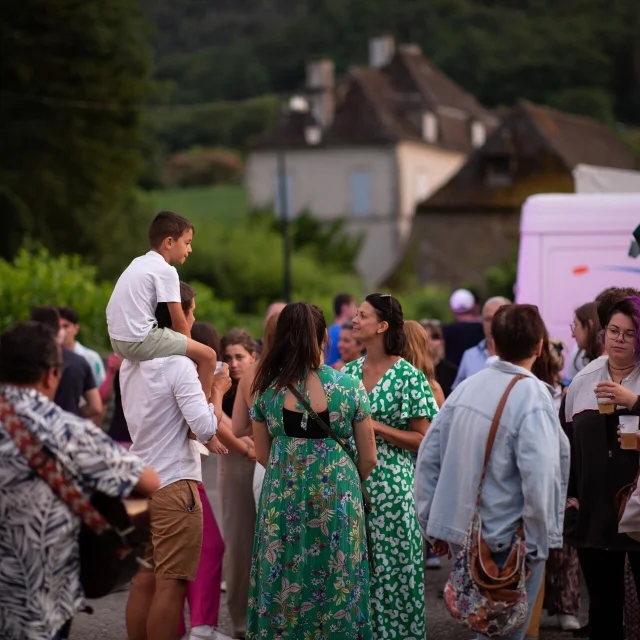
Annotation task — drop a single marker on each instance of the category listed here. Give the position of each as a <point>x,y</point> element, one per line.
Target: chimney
<point>381,50</point>
<point>320,91</point>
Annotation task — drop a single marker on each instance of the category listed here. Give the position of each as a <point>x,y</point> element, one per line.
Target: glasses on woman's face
<point>615,333</point>
<point>573,327</point>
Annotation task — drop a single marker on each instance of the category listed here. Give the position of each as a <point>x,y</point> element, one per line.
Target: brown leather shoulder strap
<point>496,421</point>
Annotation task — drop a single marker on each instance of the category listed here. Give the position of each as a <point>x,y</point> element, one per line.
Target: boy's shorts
<point>176,531</point>
<point>159,343</point>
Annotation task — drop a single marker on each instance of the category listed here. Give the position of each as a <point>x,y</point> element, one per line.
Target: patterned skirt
<point>562,586</point>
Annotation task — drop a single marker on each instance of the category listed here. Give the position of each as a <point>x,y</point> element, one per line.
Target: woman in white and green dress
<point>402,407</point>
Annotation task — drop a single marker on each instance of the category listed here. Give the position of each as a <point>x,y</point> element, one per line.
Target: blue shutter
<point>361,193</point>
<point>289,192</point>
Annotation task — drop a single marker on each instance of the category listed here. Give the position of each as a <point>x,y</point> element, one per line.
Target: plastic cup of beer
<point>606,408</point>
<point>628,430</point>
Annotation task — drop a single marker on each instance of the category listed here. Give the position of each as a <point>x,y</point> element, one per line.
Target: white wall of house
<point>374,188</point>
<point>422,169</point>
<point>358,184</point>
<point>332,183</point>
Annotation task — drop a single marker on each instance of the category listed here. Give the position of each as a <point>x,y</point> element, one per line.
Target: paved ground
<point>107,621</point>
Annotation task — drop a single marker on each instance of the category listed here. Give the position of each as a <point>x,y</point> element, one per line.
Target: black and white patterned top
<point>39,558</point>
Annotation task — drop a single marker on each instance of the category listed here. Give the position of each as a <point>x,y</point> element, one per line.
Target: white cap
<point>462,301</point>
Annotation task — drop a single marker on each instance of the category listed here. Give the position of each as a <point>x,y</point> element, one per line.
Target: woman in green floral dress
<point>402,407</point>
<point>310,575</point>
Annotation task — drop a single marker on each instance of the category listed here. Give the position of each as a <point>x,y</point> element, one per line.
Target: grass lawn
<point>202,204</point>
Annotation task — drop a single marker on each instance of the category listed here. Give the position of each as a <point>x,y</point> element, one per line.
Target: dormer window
<point>478,134</point>
<point>429,127</point>
<point>498,171</point>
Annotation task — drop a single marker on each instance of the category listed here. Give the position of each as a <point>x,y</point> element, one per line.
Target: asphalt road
<point>107,621</point>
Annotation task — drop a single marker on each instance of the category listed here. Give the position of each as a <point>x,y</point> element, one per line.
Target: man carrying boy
<point>147,281</point>
<point>162,400</point>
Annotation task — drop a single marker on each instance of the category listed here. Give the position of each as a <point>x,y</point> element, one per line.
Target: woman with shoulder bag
<point>491,482</point>
<point>310,569</point>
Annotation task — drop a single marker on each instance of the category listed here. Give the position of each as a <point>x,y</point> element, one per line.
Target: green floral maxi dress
<point>397,588</point>
<point>310,574</point>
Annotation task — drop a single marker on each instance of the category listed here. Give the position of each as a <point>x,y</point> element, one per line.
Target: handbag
<point>483,597</point>
<point>113,534</point>
<point>366,497</point>
<point>630,517</point>
<point>624,495</point>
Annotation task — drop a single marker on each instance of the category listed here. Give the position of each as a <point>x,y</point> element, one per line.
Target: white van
<point>572,247</point>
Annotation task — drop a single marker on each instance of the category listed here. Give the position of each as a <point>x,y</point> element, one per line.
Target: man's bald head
<point>272,309</point>
<point>489,310</point>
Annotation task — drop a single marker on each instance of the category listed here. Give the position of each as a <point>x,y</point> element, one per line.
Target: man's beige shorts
<point>159,343</point>
<point>176,531</point>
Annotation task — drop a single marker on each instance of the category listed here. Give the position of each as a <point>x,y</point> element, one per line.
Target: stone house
<point>370,148</point>
<point>472,222</point>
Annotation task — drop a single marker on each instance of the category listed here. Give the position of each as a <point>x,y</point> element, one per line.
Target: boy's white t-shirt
<point>131,312</point>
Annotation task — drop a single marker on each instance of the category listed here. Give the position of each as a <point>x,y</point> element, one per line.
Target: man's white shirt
<point>162,399</point>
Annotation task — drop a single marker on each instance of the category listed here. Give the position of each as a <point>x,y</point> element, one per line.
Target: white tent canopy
<point>592,179</point>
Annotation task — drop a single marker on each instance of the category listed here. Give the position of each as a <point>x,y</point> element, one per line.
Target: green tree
<point>73,75</point>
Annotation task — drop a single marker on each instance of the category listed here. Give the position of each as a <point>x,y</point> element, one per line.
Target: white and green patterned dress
<point>397,589</point>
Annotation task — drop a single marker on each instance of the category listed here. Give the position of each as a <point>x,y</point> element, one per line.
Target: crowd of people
<point>349,458</point>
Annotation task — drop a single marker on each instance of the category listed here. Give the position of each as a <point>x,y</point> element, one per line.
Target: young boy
<point>151,279</point>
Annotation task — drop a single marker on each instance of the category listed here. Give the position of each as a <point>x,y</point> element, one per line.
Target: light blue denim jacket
<point>527,474</point>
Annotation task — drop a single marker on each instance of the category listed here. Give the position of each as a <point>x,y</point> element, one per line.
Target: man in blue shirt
<point>344,308</point>
<point>474,359</point>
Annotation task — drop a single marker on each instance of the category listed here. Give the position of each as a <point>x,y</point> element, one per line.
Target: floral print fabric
<point>39,555</point>
<point>310,576</point>
<point>397,588</point>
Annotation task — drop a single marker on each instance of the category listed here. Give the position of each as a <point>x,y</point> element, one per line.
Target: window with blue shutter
<point>288,180</point>
<point>361,193</point>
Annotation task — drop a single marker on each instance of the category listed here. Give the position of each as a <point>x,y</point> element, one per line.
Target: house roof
<point>383,106</point>
<point>529,133</point>
<point>578,139</point>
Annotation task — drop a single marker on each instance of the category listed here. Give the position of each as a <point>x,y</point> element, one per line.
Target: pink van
<point>572,247</point>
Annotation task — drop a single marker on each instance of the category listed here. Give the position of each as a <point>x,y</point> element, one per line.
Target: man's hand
<point>221,380</point>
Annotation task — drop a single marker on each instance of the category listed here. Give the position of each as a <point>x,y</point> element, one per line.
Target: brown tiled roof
<point>545,145</point>
<point>383,106</point>
<point>438,90</point>
<point>578,139</point>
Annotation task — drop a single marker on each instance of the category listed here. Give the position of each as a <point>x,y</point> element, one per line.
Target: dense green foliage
<point>578,55</point>
<point>73,77</point>
<point>37,278</point>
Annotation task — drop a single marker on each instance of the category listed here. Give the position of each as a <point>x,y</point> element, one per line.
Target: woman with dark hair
<point>562,576</point>
<point>310,573</point>
<point>235,482</point>
<point>445,371</point>
<point>528,467</point>
<point>203,594</point>
<point>603,391</point>
<point>402,407</point>
<point>586,330</point>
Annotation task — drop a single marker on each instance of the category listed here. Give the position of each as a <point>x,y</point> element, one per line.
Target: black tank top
<point>292,421</point>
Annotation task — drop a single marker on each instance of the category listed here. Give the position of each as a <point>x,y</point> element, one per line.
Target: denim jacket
<point>527,474</point>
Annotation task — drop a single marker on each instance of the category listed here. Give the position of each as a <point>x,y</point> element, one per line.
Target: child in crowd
<point>151,279</point>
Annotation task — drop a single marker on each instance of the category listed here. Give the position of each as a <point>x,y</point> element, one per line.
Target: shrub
<point>38,278</point>
<point>202,167</point>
